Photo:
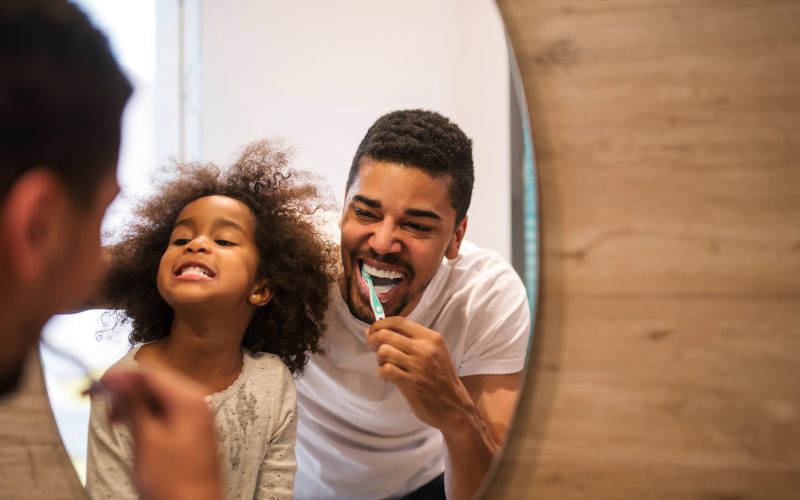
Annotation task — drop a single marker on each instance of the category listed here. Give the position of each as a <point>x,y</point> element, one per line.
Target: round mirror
<point>211,77</point>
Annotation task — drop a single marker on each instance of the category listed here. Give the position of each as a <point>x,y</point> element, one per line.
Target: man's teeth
<point>382,273</point>
<point>194,270</point>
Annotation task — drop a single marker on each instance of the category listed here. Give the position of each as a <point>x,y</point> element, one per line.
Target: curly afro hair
<point>425,140</point>
<point>297,261</point>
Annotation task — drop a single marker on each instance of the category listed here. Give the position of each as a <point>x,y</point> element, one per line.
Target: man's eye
<point>419,227</point>
<point>180,241</point>
<point>225,243</point>
<point>364,214</point>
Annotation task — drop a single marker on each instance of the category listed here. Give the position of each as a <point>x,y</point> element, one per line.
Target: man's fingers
<point>380,337</point>
<point>400,325</point>
<point>391,373</point>
<point>387,353</point>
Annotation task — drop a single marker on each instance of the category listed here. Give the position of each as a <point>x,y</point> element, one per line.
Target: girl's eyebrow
<point>219,221</point>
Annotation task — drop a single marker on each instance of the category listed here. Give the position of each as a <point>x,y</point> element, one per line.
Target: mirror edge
<point>521,433</point>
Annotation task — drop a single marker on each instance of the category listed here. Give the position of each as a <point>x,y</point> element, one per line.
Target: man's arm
<point>470,454</point>
<point>472,413</point>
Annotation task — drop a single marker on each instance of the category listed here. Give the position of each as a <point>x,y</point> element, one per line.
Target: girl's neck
<point>209,354</point>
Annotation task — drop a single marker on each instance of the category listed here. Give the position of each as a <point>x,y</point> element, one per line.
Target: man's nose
<point>384,239</point>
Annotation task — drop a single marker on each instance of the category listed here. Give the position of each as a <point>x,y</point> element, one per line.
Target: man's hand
<point>417,361</point>
<point>175,447</point>
<point>472,413</point>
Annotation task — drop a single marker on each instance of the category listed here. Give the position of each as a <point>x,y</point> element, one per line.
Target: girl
<point>224,278</point>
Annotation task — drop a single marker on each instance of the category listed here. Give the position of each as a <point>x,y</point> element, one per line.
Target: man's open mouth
<point>383,280</point>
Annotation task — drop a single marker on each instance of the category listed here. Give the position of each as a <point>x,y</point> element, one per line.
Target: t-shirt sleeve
<point>276,474</point>
<point>499,324</point>
<point>109,467</point>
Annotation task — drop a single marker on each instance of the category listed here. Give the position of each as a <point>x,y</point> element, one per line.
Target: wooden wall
<point>666,360</point>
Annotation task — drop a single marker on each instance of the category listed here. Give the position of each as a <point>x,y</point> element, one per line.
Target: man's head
<point>425,140</point>
<point>407,196</point>
<point>61,99</point>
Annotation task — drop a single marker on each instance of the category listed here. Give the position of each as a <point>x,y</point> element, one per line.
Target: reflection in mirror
<point>211,77</point>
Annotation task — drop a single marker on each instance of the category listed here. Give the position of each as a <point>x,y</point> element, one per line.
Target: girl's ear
<point>261,294</point>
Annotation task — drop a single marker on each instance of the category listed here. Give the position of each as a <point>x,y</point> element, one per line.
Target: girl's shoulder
<point>265,366</point>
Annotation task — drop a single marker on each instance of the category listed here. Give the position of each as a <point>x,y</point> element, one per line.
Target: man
<point>418,403</point>
<point>61,99</point>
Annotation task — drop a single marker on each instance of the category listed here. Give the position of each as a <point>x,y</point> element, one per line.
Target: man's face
<point>398,224</point>
<point>72,268</point>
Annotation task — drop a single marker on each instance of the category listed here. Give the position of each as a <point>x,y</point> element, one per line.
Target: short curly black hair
<point>425,140</point>
<point>295,258</point>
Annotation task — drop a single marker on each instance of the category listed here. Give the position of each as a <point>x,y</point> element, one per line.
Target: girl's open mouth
<point>193,271</point>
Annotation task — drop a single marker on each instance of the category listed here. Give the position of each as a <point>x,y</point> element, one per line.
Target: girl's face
<point>212,258</point>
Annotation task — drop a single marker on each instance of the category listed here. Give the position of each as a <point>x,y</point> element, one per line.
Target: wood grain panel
<point>666,360</point>
<point>33,461</point>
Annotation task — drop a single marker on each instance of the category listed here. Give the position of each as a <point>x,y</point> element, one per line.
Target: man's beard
<point>9,381</point>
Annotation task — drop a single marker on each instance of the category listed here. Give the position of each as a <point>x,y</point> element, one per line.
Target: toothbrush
<point>377,308</point>
<point>95,386</point>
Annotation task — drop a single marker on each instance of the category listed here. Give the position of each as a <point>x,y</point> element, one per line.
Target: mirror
<point>211,77</point>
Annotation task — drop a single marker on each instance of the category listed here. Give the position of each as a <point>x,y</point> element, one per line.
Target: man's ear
<point>33,224</point>
<point>458,237</point>
<point>261,294</point>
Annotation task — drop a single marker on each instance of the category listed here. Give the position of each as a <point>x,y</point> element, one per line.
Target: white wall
<point>318,73</point>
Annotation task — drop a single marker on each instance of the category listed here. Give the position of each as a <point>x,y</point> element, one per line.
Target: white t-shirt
<point>357,437</point>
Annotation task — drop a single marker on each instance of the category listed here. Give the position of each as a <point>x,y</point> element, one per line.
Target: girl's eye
<point>225,243</point>
<point>180,241</point>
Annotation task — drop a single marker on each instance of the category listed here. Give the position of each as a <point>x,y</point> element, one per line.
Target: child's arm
<point>276,474</point>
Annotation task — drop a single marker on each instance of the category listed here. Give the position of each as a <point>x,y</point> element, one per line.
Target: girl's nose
<point>197,245</point>
<point>383,240</point>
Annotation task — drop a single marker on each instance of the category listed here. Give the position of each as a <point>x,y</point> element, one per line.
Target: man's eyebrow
<point>367,201</point>
<point>411,212</point>
<point>416,212</point>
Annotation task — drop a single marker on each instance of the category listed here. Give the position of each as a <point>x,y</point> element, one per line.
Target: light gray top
<point>256,426</point>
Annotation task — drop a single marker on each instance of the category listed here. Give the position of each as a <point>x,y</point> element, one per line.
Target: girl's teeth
<point>197,271</point>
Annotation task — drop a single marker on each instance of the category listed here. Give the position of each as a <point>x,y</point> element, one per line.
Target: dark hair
<point>425,140</point>
<point>61,95</point>
<point>297,261</point>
